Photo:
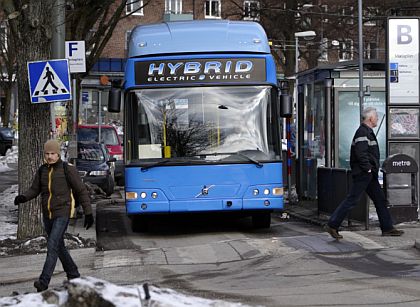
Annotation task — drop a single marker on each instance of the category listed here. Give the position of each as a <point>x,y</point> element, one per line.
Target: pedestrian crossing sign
<point>49,81</point>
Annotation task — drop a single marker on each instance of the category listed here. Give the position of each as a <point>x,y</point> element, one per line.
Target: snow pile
<point>89,291</point>
<point>10,157</point>
<point>8,213</point>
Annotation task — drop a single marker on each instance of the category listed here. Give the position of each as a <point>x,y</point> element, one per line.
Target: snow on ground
<point>8,213</point>
<point>88,291</point>
<point>10,157</point>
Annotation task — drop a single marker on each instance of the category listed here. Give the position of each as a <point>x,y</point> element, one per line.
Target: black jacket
<point>52,184</point>
<point>364,154</point>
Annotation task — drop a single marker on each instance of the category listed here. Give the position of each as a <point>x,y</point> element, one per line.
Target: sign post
<point>76,54</point>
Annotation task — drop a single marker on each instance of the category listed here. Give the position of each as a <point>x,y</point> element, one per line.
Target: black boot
<point>40,286</point>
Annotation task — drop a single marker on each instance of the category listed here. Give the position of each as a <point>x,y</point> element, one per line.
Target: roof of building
<point>198,36</point>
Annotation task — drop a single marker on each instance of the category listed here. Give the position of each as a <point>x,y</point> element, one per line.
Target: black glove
<point>88,221</point>
<point>20,199</point>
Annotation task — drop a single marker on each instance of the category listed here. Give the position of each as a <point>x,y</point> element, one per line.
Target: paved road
<point>8,178</point>
<point>292,264</point>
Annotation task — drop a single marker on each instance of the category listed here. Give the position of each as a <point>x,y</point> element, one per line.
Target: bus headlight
<point>277,191</point>
<point>154,195</point>
<point>266,191</point>
<point>98,173</point>
<point>143,194</point>
<point>255,192</point>
<point>131,195</point>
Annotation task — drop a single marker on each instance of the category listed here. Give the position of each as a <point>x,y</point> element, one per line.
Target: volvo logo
<point>204,191</point>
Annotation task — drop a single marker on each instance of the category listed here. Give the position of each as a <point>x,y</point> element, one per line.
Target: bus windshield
<point>210,124</point>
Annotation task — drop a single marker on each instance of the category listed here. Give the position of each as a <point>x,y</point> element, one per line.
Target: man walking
<point>55,182</point>
<point>364,163</point>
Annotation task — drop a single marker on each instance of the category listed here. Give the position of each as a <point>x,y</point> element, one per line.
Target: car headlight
<point>118,157</point>
<point>98,173</point>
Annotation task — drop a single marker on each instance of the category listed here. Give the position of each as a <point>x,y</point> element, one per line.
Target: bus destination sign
<point>200,71</point>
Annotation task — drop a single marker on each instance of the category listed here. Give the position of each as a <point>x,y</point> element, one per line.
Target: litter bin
<point>400,187</point>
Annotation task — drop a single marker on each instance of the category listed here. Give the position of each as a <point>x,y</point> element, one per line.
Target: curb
<point>305,218</point>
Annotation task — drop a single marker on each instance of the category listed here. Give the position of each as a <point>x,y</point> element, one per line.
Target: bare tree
<point>30,24</point>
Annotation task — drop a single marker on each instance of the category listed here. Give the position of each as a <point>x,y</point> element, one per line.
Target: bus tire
<point>139,224</point>
<point>261,220</point>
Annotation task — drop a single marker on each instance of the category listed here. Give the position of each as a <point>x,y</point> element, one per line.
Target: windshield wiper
<point>145,168</point>
<point>256,162</point>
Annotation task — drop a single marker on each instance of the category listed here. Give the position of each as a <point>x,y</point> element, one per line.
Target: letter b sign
<point>404,35</point>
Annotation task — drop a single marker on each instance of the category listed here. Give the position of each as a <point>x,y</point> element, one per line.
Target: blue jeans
<point>55,229</point>
<point>364,182</point>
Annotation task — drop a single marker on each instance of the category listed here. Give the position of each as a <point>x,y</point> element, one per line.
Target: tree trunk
<point>33,44</point>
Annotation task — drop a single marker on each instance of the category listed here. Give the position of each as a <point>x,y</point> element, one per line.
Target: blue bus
<point>202,121</point>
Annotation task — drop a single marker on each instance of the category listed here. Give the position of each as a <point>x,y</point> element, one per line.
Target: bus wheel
<point>139,224</point>
<point>261,220</point>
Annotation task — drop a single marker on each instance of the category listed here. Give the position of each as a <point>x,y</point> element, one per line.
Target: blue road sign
<point>49,81</point>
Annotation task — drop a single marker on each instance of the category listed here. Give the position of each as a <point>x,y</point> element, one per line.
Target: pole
<point>57,44</point>
<point>361,91</point>
<point>99,116</point>
<point>289,128</point>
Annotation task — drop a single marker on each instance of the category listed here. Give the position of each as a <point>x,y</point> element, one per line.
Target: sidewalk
<point>25,269</point>
<point>308,211</point>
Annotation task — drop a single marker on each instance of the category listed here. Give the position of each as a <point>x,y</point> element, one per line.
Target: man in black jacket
<point>364,163</point>
<point>55,187</point>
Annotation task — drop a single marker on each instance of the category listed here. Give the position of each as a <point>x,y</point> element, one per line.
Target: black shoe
<point>394,232</point>
<point>72,277</point>
<point>333,232</point>
<point>40,286</point>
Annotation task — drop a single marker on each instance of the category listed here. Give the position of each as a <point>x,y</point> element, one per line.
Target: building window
<point>173,6</point>
<point>3,37</point>
<point>346,50</point>
<point>134,7</point>
<point>251,10</point>
<point>127,38</point>
<point>371,51</point>
<point>347,14</point>
<point>324,9</point>
<point>370,14</point>
<point>212,9</point>
<point>323,50</point>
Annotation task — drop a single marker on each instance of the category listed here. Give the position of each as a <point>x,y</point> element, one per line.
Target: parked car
<point>6,139</point>
<point>111,139</point>
<point>95,165</point>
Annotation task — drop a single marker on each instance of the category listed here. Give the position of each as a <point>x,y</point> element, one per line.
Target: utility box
<point>400,186</point>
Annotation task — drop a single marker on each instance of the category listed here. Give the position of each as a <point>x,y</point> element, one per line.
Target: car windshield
<point>207,123</point>
<point>7,132</point>
<point>91,152</point>
<point>91,134</point>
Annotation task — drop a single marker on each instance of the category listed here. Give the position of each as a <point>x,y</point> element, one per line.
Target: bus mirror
<point>114,101</point>
<point>286,109</point>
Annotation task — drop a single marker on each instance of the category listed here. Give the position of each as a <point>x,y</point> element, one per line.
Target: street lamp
<point>305,35</point>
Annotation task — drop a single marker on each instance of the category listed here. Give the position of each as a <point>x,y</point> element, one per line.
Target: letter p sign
<point>403,35</point>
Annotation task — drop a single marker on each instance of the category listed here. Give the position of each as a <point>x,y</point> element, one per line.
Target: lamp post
<point>361,90</point>
<point>306,35</point>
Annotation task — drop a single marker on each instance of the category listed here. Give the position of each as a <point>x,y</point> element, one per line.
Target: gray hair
<point>368,113</point>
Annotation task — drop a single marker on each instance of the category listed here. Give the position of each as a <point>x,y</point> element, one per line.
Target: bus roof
<point>198,36</point>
